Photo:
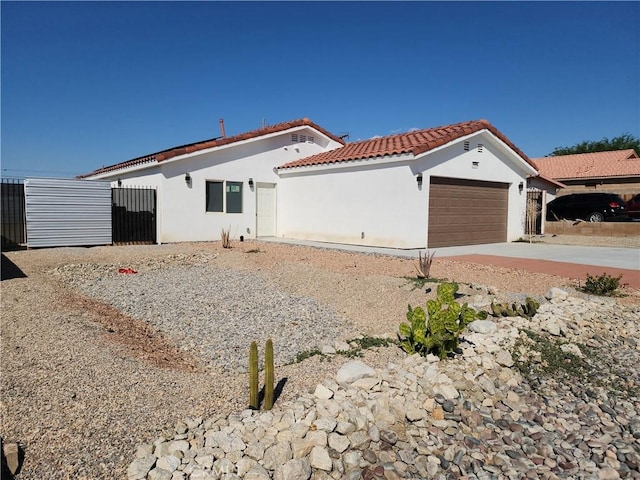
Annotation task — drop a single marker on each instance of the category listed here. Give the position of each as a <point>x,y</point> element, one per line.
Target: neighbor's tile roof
<point>215,142</point>
<point>415,142</point>
<point>615,163</point>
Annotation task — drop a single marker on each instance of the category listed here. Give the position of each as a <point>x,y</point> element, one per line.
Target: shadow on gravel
<point>10,270</point>
<point>277,391</point>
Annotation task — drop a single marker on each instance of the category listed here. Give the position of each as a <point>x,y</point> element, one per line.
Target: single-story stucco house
<point>613,171</point>
<point>458,184</point>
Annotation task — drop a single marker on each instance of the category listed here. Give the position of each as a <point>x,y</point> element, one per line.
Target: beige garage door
<point>466,212</point>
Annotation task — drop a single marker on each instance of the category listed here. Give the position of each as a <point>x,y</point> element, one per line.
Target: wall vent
<point>466,145</point>
<point>310,139</point>
<point>475,164</point>
<point>303,138</point>
<point>294,137</point>
<point>480,148</point>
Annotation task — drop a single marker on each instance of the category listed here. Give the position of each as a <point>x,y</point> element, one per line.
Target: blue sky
<point>86,84</point>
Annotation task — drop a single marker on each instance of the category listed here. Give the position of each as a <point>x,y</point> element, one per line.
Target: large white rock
<point>258,472</point>
<point>338,442</point>
<point>483,326</point>
<point>295,469</point>
<point>159,474</point>
<point>319,458</point>
<point>140,467</point>
<point>323,393</point>
<point>276,455</point>
<point>504,358</point>
<point>169,463</point>
<point>556,294</point>
<point>354,370</point>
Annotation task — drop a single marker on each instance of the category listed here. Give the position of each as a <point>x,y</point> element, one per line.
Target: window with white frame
<point>223,196</point>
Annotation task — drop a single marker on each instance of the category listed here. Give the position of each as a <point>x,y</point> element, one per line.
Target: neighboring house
<point>459,184</point>
<point>616,171</point>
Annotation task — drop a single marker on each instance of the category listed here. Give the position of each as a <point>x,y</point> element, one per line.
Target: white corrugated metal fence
<point>64,212</point>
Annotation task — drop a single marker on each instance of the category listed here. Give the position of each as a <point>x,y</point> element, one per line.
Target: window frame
<point>225,187</point>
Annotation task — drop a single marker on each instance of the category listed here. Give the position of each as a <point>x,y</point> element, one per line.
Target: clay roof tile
<point>415,142</point>
<point>613,163</point>
<point>211,143</point>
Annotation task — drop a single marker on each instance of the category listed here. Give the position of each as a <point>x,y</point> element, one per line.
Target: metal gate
<point>133,214</point>
<point>13,213</point>
<point>67,212</point>
<point>533,224</point>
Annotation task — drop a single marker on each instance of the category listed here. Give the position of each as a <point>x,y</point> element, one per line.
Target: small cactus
<point>268,375</point>
<point>532,306</point>
<point>253,377</point>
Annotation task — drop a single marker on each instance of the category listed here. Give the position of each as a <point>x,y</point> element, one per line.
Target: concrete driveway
<point>572,261</point>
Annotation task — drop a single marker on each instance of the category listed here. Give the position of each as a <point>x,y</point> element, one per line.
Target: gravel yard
<point>95,362</point>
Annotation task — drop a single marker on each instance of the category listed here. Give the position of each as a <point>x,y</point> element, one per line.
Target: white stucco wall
<point>382,202</point>
<point>181,208</point>
<point>539,184</point>
<point>338,203</point>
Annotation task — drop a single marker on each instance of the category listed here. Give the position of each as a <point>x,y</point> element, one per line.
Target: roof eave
<point>197,148</point>
<point>339,164</point>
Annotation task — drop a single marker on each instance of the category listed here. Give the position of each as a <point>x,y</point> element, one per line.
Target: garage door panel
<point>466,212</point>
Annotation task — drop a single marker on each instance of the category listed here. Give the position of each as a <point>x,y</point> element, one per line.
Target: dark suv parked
<point>594,207</point>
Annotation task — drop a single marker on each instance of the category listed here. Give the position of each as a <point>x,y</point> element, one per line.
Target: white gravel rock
<point>354,370</point>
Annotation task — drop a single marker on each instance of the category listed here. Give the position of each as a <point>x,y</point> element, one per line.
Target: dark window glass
<point>214,197</point>
<point>234,197</point>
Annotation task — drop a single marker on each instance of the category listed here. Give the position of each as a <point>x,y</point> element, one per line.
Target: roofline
<point>599,177</point>
<point>379,160</point>
<point>630,151</point>
<point>418,150</point>
<point>210,144</point>
<point>548,179</point>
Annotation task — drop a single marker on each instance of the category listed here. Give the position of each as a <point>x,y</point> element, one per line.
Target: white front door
<point>266,210</point>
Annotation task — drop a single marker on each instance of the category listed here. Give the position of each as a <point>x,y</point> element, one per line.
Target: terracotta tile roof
<point>415,142</point>
<point>615,163</point>
<point>214,142</point>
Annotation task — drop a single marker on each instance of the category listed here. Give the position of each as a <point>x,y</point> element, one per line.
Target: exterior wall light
<point>119,182</point>
<point>419,180</point>
<point>250,182</point>
<point>187,179</point>
<point>520,187</point>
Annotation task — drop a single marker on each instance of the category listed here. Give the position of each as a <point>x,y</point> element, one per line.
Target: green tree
<point>623,142</point>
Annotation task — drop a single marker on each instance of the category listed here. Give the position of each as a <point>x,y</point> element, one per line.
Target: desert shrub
<point>602,285</point>
<point>225,237</point>
<point>424,264</point>
<point>437,329</point>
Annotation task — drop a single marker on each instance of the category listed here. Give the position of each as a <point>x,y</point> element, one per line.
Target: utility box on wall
<point>63,212</point>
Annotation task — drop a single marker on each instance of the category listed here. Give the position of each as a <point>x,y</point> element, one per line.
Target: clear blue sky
<point>86,84</point>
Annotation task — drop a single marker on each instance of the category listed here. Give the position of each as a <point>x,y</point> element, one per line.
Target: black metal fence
<point>133,215</point>
<point>13,213</point>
